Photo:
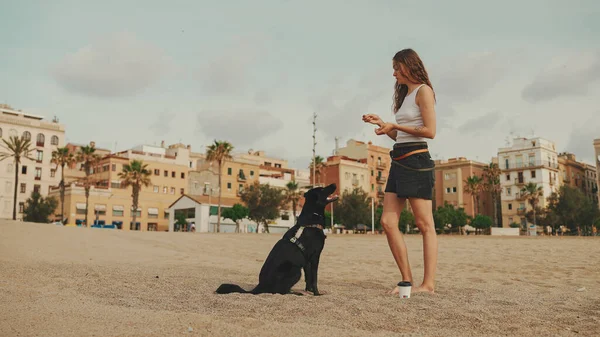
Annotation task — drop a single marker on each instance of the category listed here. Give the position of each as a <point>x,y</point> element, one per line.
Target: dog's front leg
<point>314,268</point>
<point>308,276</point>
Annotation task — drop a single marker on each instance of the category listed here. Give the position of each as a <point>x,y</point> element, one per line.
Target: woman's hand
<point>384,128</point>
<point>373,119</point>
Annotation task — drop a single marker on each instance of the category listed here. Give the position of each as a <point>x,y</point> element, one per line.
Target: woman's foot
<point>423,288</point>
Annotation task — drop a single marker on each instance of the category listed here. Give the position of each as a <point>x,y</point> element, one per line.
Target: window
<point>135,227</point>
<point>278,165</point>
<point>509,206</point>
<point>173,174</point>
<point>447,189</point>
<point>372,173</point>
<point>155,189</point>
<point>252,173</point>
<point>190,164</point>
<point>533,174</point>
<point>152,226</point>
<point>446,176</point>
<point>508,177</point>
<point>229,171</point>
<point>165,189</point>
<point>522,205</point>
<point>152,213</point>
<point>138,213</point>
<point>285,216</point>
<point>40,139</point>
<point>38,173</point>
<point>23,187</point>
<point>166,174</point>
<point>182,175</point>
<point>9,168</point>
<point>229,186</point>
<point>172,190</point>
<point>21,207</point>
<point>117,210</point>
<point>372,187</point>
<point>115,184</point>
<point>508,191</point>
<point>27,135</point>
<point>114,167</point>
<point>54,140</point>
<point>453,189</point>
<point>52,173</point>
<point>506,163</point>
<point>37,188</point>
<point>24,169</point>
<point>181,191</point>
<point>100,209</point>
<point>156,172</point>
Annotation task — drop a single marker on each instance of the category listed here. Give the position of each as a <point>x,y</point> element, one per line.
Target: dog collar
<point>295,239</point>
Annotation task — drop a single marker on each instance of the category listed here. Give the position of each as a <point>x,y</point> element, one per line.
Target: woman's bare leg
<point>424,221</point>
<point>392,207</point>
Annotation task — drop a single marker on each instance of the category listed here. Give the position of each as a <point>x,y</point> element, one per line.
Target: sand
<point>69,281</point>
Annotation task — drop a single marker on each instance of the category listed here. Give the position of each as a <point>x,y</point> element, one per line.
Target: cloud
<point>229,72</point>
<point>581,139</point>
<point>566,75</point>
<point>162,124</point>
<point>468,77</point>
<point>480,124</point>
<point>116,65</point>
<point>242,128</point>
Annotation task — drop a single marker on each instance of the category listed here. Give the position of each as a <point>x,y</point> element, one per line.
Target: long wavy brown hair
<point>416,72</point>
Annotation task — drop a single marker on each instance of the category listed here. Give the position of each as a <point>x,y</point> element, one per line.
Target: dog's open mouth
<point>332,198</point>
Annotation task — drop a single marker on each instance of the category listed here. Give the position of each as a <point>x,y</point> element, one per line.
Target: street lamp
<point>372,215</point>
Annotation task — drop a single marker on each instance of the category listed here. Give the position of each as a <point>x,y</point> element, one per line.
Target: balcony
<point>241,178</point>
<point>381,179</point>
<point>354,182</point>
<point>38,143</point>
<point>519,181</point>
<point>380,193</point>
<point>380,165</point>
<point>537,163</point>
<point>519,196</point>
<point>521,211</point>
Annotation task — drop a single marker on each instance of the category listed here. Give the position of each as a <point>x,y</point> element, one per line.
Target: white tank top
<point>409,115</point>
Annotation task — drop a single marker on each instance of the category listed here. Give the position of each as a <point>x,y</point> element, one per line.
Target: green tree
<point>88,158</point>
<point>328,218</point>
<point>264,203</point>
<point>448,214</point>
<point>491,176</point>
<point>481,222</point>
<point>18,149</point>
<point>474,186</point>
<point>180,220</point>
<point>38,208</point>
<point>532,193</point>
<point>407,221</point>
<point>354,208</point>
<point>62,157</point>
<point>319,165</point>
<point>292,196</point>
<point>219,152</point>
<point>236,213</point>
<point>136,175</point>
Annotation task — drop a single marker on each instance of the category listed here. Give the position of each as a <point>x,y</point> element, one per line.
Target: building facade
<point>597,159</point>
<point>35,174</point>
<point>590,183</point>
<point>578,175</point>
<point>378,162</point>
<point>527,160</point>
<point>450,176</point>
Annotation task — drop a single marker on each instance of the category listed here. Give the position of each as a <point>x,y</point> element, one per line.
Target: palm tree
<point>492,184</point>
<point>17,148</point>
<point>292,195</point>
<point>474,186</point>
<point>219,152</point>
<point>316,166</point>
<point>62,157</point>
<point>532,193</point>
<point>136,175</point>
<point>88,158</point>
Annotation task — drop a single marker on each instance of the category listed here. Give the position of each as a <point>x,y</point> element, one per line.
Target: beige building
<point>378,162</point>
<point>346,173</point>
<point>112,204</point>
<point>450,176</point>
<point>597,159</point>
<point>578,175</point>
<point>38,174</point>
<point>527,160</point>
<point>590,183</point>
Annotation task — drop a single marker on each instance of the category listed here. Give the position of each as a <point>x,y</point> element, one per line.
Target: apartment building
<point>111,203</point>
<point>38,174</point>
<point>450,176</point>
<point>597,159</point>
<point>75,171</point>
<point>527,160</point>
<point>347,173</point>
<point>578,175</point>
<point>378,162</point>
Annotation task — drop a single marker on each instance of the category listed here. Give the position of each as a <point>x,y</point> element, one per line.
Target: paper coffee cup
<point>405,288</point>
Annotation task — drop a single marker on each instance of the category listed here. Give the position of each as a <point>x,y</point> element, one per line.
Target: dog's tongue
<point>333,198</point>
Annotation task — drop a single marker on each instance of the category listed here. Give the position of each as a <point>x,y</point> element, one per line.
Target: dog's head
<point>318,197</point>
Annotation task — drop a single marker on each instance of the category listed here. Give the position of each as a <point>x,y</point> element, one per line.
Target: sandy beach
<point>69,281</point>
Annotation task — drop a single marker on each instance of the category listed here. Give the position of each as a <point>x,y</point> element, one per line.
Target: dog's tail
<point>227,288</point>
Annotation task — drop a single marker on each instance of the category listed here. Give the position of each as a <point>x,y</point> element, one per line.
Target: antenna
<point>335,152</point>
<point>314,146</point>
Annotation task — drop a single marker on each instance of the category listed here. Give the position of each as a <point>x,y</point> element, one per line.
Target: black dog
<point>299,248</point>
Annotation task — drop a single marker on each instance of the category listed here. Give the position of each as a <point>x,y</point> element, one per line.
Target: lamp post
<point>372,216</point>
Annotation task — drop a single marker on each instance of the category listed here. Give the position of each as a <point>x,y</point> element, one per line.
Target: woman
<point>411,174</point>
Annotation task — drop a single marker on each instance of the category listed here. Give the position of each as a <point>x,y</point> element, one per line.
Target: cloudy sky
<point>126,72</point>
